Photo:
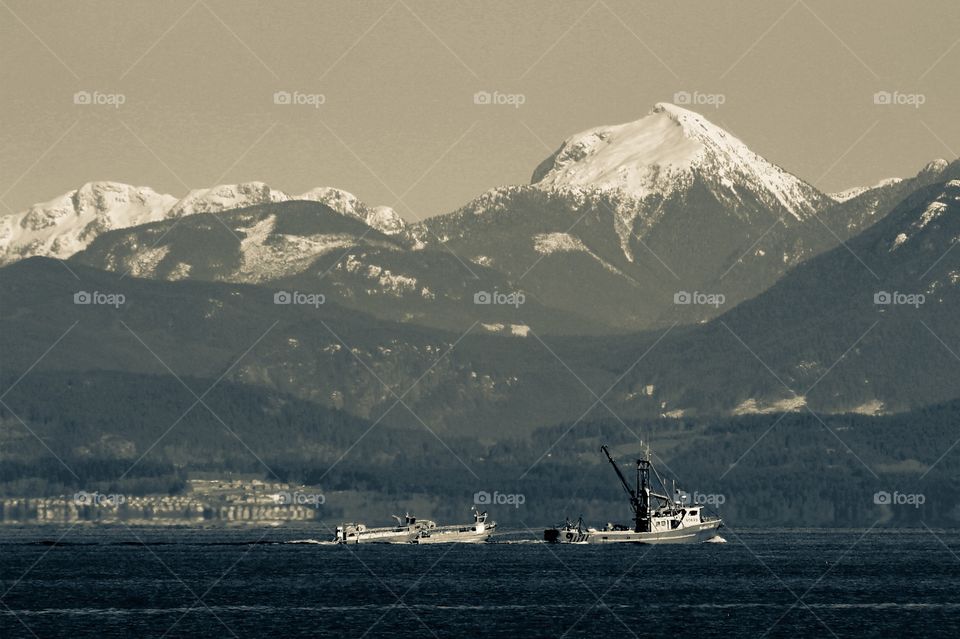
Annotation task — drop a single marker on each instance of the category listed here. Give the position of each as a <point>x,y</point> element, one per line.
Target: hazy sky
<point>399,125</point>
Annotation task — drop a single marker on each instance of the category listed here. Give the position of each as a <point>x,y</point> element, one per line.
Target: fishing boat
<point>405,532</point>
<point>657,517</point>
<point>477,532</point>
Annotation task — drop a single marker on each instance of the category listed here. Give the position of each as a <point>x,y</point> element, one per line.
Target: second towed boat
<point>405,532</point>
<point>476,533</point>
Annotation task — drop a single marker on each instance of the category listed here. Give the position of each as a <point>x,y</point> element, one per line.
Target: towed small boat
<point>405,532</point>
<point>657,518</point>
<point>478,532</point>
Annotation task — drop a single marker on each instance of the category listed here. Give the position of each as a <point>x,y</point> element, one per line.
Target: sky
<point>383,95</point>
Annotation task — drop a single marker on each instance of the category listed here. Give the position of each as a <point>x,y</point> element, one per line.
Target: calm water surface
<point>141,582</point>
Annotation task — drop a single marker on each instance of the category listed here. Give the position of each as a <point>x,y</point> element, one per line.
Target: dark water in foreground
<point>121,582</point>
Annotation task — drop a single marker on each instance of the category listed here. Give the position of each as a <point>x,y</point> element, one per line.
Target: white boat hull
<point>360,534</point>
<point>688,534</point>
<point>375,538</point>
<point>456,536</point>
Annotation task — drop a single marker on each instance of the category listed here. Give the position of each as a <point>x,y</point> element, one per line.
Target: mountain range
<point>656,269</point>
<point>801,343</point>
<point>615,224</point>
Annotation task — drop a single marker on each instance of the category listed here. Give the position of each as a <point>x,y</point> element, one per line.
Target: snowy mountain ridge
<point>68,223</point>
<point>849,194</point>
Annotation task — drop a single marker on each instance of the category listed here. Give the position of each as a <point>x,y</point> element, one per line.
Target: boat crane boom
<point>634,500</point>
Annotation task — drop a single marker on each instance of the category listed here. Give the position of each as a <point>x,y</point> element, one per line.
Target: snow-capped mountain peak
<point>383,218</point>
<point>663,153</point>
<point>66,224</point>
<point>224,197</point>
<point>934,168</point>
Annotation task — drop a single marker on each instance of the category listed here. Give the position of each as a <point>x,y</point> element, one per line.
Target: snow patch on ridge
<point>935,210</point>
<point>516,330</point>
<point>754,407</point>
<point>385,281</point>
<point>547,243</point>
<point>148,260</point>
<point>872,407</point>
<point>947,200</point>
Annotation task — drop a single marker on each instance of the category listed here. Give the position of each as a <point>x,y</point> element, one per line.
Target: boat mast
<point>642,519</point>
<point>639,498</point>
